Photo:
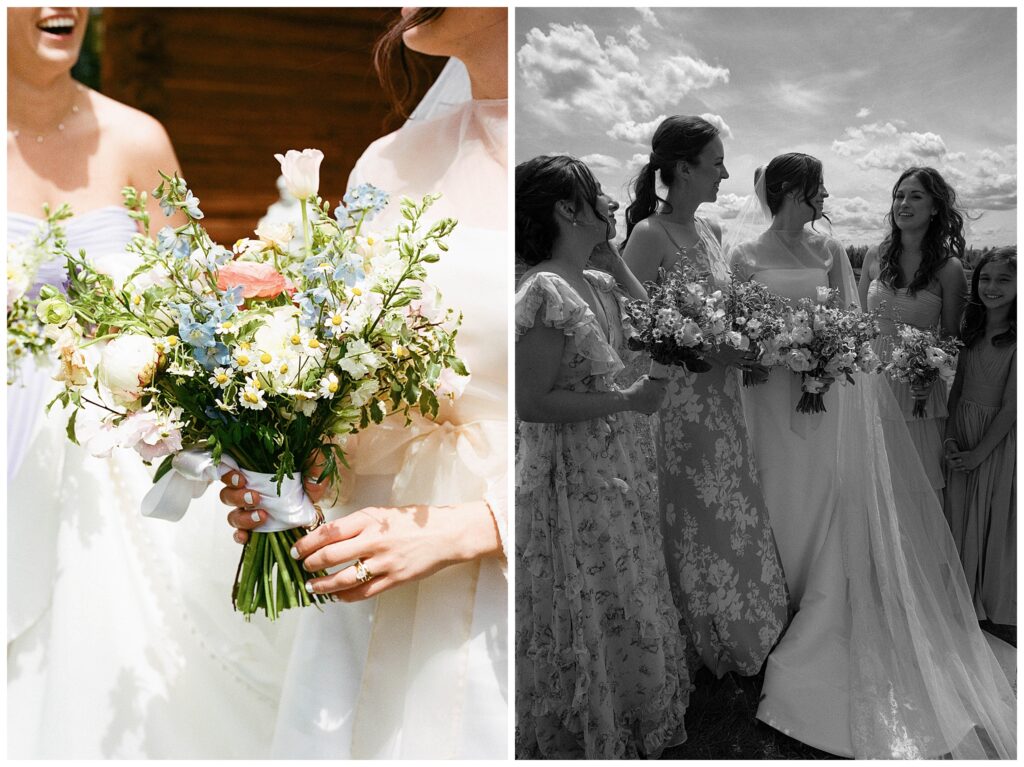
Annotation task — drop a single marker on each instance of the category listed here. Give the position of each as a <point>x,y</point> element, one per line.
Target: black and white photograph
<point>258,284</point>
<point>765,383</point>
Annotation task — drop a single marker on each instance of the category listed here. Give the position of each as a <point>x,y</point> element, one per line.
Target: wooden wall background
<point>234,86</point>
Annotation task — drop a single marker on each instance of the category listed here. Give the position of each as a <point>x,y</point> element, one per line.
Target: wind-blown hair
<point>972,327</point>
<point>679,137</point>
<point>401,72</point>
<point>943,239</point>
<point>540,184</point>
<point>789,172</point>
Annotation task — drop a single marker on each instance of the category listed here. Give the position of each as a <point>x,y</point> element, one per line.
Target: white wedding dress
<point>884,657</point>
<point>421,671</point>
<point>121,640</point>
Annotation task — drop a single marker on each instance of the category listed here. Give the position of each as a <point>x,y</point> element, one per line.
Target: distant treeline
<point>971,256</point>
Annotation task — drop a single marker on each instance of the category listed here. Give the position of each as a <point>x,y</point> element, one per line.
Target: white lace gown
<point>421,671</point>
<point>884,658</point>
<point>121,640</point>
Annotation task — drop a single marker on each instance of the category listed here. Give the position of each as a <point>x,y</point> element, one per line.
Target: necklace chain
<point>41,137</point>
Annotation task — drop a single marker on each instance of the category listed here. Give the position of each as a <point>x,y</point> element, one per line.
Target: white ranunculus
<point>279,234</point>
<point>301,171</point>
<point>127,366</point>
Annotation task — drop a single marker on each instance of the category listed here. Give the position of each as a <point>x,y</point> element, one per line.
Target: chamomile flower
<point>244,358</point>
<point>329,385</point>
<point>221,377</point>
<point>252,396</point>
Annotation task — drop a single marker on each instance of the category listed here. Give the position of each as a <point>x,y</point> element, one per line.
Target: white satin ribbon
<point>191,473</point>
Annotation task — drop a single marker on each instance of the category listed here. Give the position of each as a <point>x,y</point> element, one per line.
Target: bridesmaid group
<point>846,585</point>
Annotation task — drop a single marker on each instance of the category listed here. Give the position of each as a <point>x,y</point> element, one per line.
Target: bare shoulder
<point>139,138</point>
<point>951,273</point>
<point>649,236</point>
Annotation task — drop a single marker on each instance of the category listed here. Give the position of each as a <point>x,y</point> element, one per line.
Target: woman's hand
<point>246,514</point>
<point>921,391</point>
<point>646,394</point>
<point>395,546</point>
<point>606,256</point>
<point>758,373</point>
<point>964,460</point>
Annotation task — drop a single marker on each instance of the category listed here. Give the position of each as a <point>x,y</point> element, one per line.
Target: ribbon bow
<point>191,473</point>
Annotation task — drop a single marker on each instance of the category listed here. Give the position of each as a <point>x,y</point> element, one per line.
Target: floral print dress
<point>600,661</point>
<point>723,563</point>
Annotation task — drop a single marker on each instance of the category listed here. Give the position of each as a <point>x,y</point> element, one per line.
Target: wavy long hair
<point>402,72</point>
<point>540,184</point>
<point>972,327</point>
<point>680,137</point>
<point>943,239</point>
<point>788,172</point>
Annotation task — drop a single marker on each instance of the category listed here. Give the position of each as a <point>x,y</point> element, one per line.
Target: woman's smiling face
<point>51,35</point>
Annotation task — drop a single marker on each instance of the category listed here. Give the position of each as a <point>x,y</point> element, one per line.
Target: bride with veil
<point>420,670</point>
<point>884,657</point>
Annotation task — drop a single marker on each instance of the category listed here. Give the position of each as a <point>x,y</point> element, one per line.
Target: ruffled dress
<point>600,661</point>
<point>981,505</point>
<point>922,310</point>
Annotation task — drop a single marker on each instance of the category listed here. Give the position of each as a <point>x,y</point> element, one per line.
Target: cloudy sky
<point>868,91</point>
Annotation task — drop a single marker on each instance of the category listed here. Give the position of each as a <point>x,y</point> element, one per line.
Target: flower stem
<point>306,233</point>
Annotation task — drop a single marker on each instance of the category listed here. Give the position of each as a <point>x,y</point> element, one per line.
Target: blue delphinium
<point>365,198</point>
<point>170,241</point>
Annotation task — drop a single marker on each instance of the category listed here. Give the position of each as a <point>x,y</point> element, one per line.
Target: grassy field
<point>721,723</point>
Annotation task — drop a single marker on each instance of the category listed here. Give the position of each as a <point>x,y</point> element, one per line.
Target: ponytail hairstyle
<point>943,239</point>
<point>677,138</point>
<point>401,72</point>
<point>540,184</point>
<point>789,172</point>
<point>972,327</point>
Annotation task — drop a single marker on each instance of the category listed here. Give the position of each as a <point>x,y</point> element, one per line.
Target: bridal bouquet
<point>260,358</point>
<point>919,359</point>
<point>757,315</point>
<point>824,342</point>
<point>30,262</point>
<point>682,318</point>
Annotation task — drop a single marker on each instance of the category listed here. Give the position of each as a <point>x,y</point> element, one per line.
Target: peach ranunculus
<point>258,280</point>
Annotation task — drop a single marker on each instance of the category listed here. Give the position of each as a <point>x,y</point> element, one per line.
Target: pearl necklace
<point>40,137</point>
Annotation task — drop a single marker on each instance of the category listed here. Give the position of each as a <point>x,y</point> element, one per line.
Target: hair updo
<point>944,237</point>
<point>789,172</point>
<point>540,184</point>
<point>972,327</point>
<point>679,137</point>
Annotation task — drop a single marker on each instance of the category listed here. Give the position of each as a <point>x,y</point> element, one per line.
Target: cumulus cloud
<point>719,123</point>
<point>649,17</point>
<point>636,39</point>
<point>573,72</point>
<point>887,146</point>
<point>856,213</point>
<point>634,132</point>
<point>863,112</point>
<point>601,162</point>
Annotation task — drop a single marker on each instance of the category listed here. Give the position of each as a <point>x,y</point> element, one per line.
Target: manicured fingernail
<point>247,497</point>
<point>238,538</point>
<point>309,584</point>
<point>255,516</point>
<point>236,480</point>
<point>295,555</point>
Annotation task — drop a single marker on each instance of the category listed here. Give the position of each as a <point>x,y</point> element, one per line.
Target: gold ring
<point>363,574</point>
<point>316,522</point>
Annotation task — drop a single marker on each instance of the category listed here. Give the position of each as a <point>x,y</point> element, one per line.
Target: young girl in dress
<point>600,665</point>
<point>981,442</point>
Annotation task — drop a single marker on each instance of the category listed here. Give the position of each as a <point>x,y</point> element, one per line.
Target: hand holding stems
<point>646,394</point>
<point>922,390</point>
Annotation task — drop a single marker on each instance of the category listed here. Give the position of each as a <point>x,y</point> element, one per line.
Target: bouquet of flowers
<point>920,358</point>
<point>28,263</point>
<point>682,318</point>
<point>757,315</point>
<point>824,342</point>
<point>259,358</point>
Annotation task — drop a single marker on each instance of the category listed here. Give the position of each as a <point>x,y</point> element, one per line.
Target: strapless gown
<point>922,310</point>
<point>883,658</point>
<point>121,641</point>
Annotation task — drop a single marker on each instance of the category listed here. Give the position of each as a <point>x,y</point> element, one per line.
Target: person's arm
<point>538,361</point>
<point>1002,423</point>
<point>953,283</point>
<point>644,252</point>
<point>606,256</point>
<point>148,153</point>
<point>949,442</point>
<point>866,269</point>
